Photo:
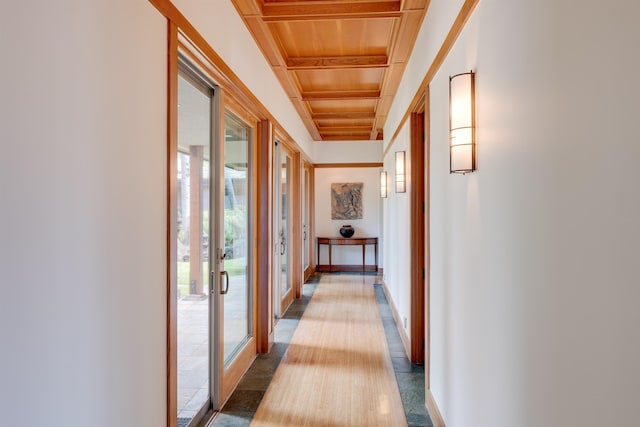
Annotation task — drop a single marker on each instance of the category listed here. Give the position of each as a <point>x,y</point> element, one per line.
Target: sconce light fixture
<point>383,184</point>
<point>462,123</point>
<point>401,184</point>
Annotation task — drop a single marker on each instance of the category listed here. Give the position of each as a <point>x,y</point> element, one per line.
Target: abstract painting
<point>346,200</point>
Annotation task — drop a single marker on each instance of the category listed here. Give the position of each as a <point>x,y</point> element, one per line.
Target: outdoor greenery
<point>235,267</point>
<point>234,224</point>
<point>234,229</point>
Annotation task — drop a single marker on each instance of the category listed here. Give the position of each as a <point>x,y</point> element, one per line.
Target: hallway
<point>337,367</point>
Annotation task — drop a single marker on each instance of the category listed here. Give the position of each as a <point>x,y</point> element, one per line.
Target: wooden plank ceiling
<point>339,61</point>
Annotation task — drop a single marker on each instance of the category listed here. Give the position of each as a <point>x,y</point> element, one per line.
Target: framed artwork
<point>346,200</point>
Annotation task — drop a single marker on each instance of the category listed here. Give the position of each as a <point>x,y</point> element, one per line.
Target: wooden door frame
<point>231,374</point>
<point>172,226</point>
<point>427,242</point>
<point>308,167</point>
<point>264,212</point>
<point>294,263</point>
<point>296,227</point>
<point>419,276</point>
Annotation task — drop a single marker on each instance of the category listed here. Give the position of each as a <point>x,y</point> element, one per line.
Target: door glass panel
<point>193,335</point>
<point>305,220</point>
<point>285,162</point>
<point>237,309</point>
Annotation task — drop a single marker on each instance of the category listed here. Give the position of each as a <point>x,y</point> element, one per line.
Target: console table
<point>339,241</point>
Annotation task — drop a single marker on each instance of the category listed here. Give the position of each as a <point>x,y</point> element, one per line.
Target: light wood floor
<point>337,370</point>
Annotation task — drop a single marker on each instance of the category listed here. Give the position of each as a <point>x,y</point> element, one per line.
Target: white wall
<point>368,226</point>
<point>396,212</point>
<point>82,184</point>
<point>347,152</point>
<point>434,30</point>
<point>533,257</point>
<point>397,232</point>
<point>219,22</point>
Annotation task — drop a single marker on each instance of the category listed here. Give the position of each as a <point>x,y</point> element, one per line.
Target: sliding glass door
<point>213,248</point>
<point>196,121</point>
<point>306,221</point>
<point>237,299</point>
<point>282,229</point>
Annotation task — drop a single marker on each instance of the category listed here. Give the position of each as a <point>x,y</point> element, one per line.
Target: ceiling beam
<point>300,11</point>
<point>344,129</point>
<point>359,61</point>
<point>359,137</point>
<point>344,116</point>
<point>338,94</point>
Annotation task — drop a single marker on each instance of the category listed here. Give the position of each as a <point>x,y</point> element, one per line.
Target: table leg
<point>330,268</point>
<point>375,247</point>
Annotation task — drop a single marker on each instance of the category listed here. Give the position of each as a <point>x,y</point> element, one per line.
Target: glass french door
<point>306,238</point>
<point>213,257</point>
<point>197,389</point>
<point>237,307</point>
<point>282,229</point>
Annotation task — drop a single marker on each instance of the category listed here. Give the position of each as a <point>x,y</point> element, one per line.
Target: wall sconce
<point>462,123</point>
<point>401,184</point>
<point>383,184</point>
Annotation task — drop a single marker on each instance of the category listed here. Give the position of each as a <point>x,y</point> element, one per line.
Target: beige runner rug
<point>337,370</point>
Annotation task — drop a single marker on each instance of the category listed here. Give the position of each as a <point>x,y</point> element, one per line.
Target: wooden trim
<point>236,369</point>
<point>236,108</point>
<point>403,333</point>
<point>263,274</point>
<point>456,28</point>
<point>358,129</point>
<point>340,94</point>
<point>288,11</point>
<point>309,271</point>
<point>218,69</point>
<point>283,138</point>
<point>348,165</point>
<point>296,227</point>
<point>307,203</point>
<point>418,207</point>
<point>285,301</point>
<point>172,226</point>
<point>344,116</point>
<point>354,61</point>
<point>348,137</point>
<point>427,241</point>
<point>434,411</point>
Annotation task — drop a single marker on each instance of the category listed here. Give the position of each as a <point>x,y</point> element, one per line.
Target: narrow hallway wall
<point>533,277</point>
<point>83,173</point>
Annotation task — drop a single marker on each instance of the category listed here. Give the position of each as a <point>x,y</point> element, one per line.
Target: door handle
<point>226,288</point>
<point>282,248</point>
<point>304,236</point>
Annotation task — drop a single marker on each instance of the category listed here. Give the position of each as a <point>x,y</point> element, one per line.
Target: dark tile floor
<point>410,377</point>
<point>244,401</point>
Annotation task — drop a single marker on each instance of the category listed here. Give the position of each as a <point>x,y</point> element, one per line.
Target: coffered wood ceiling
<point>339,61</point>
